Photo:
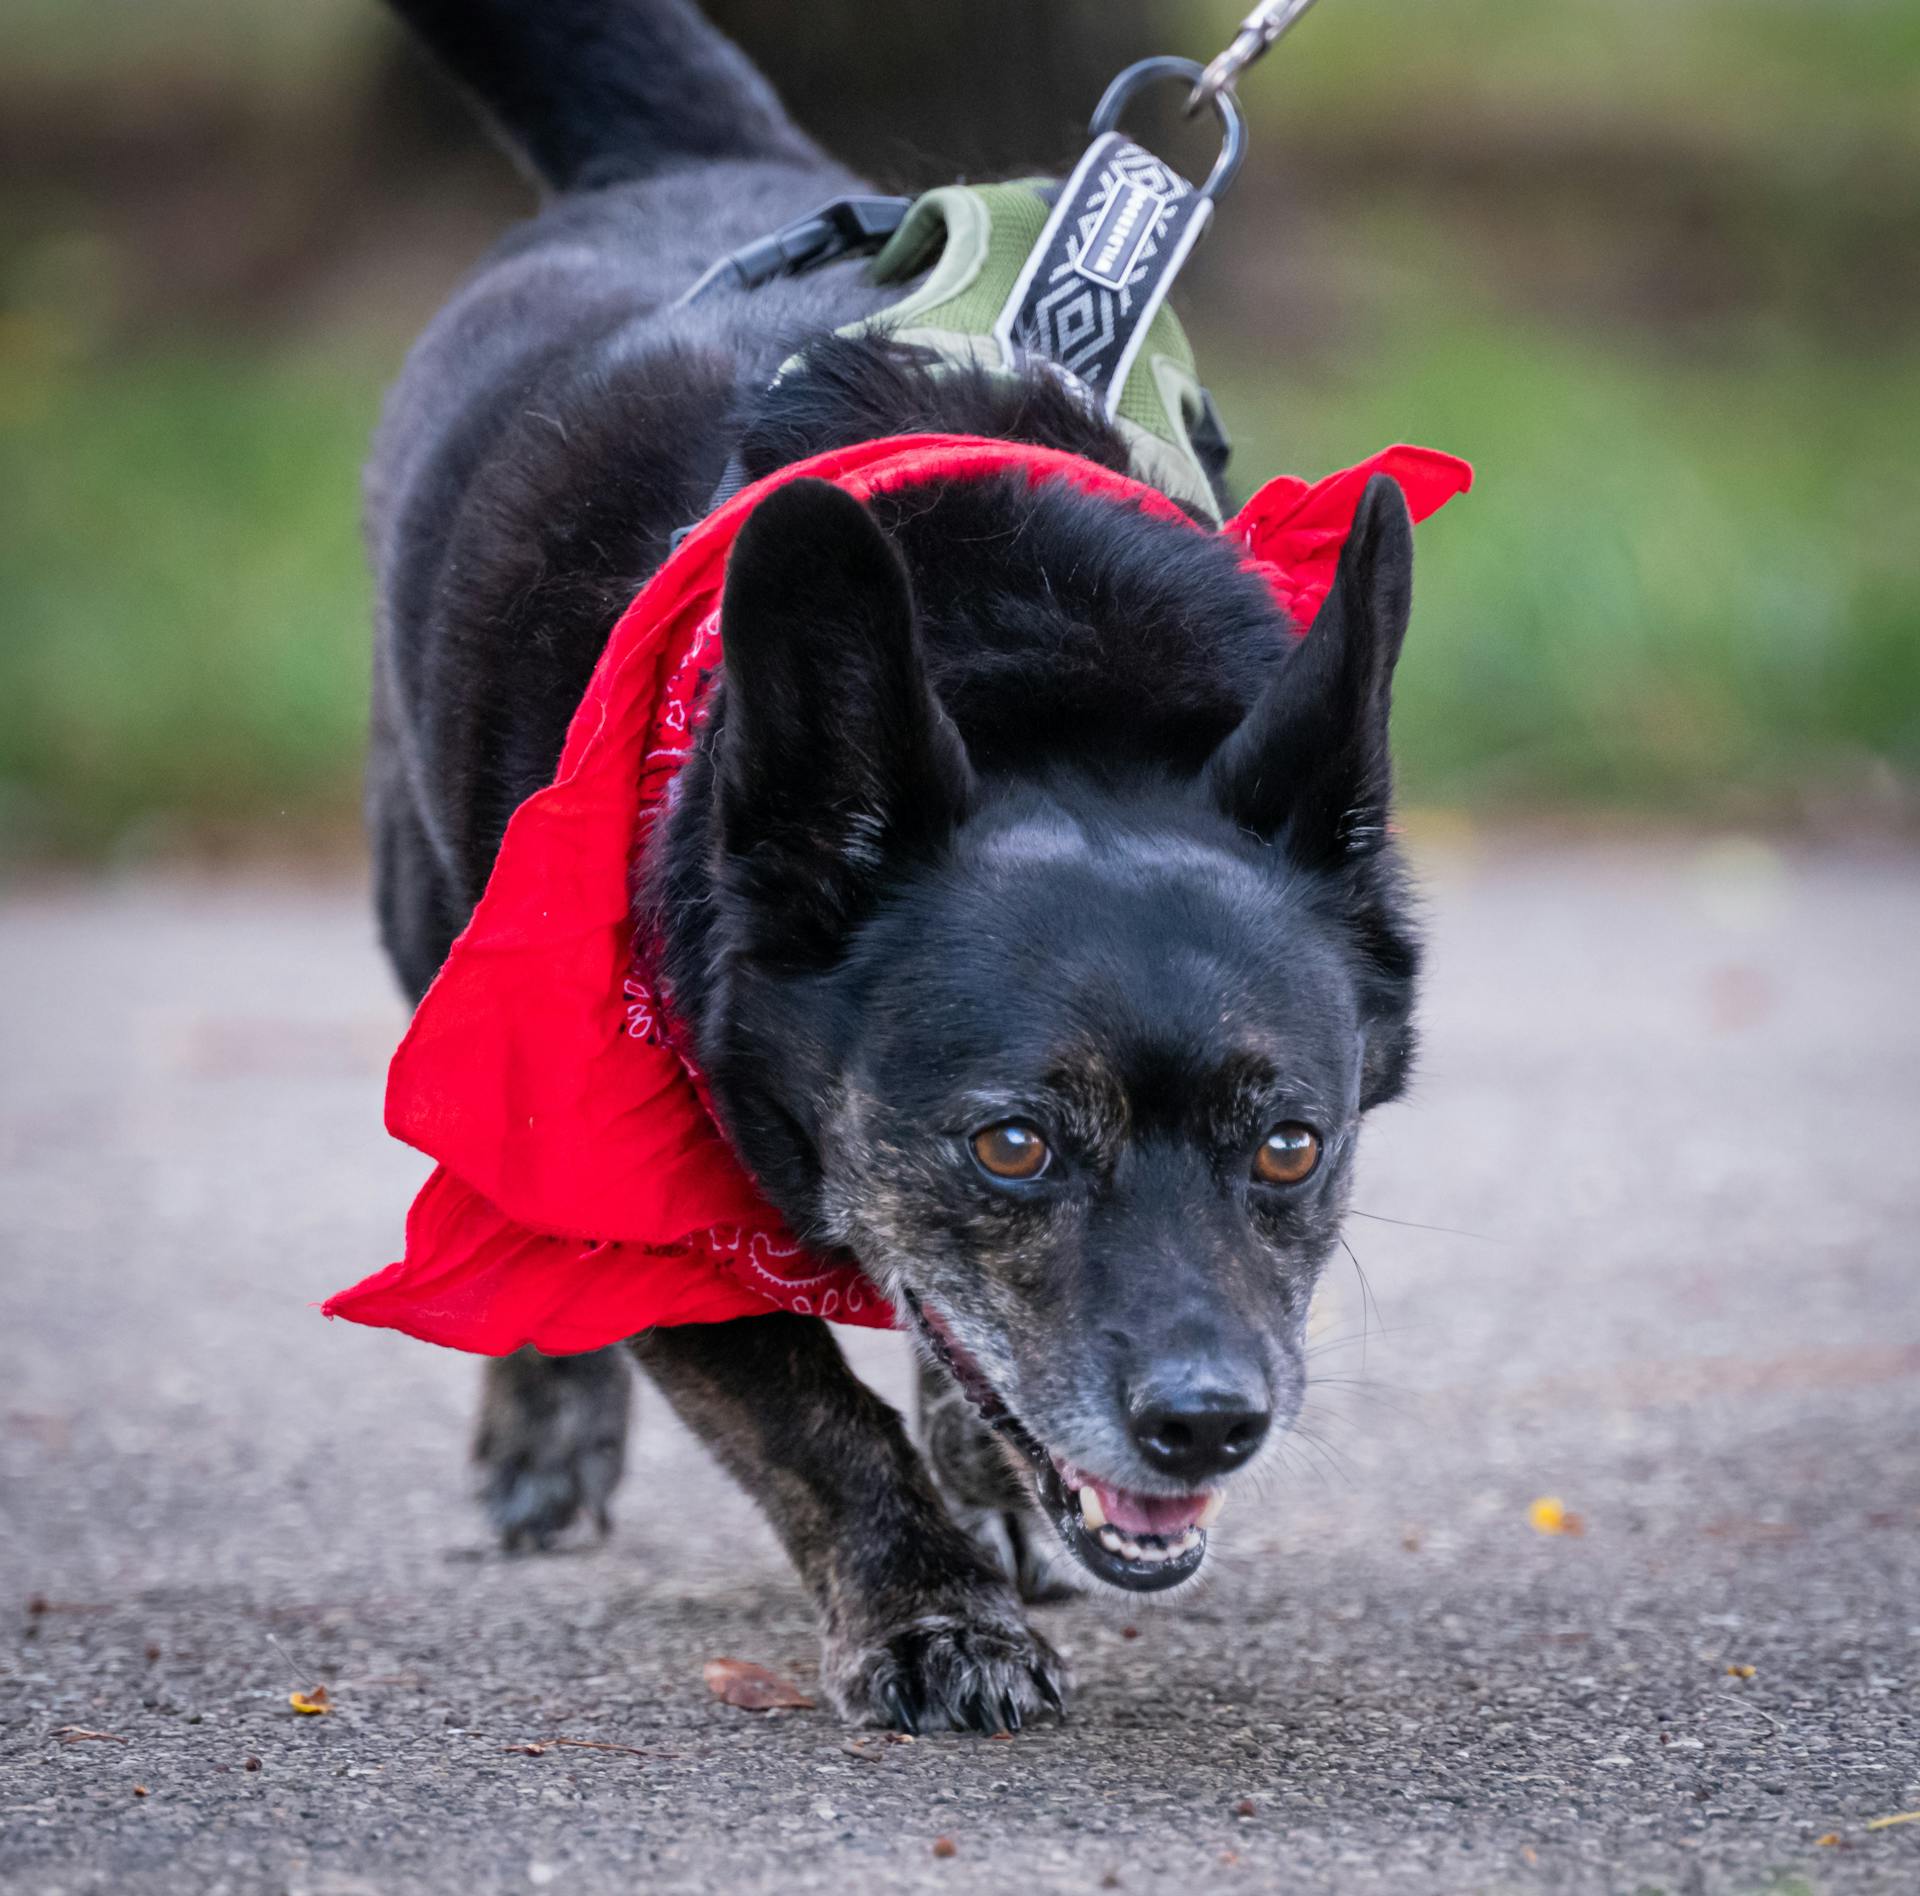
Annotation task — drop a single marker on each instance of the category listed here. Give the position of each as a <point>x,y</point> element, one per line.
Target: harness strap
<point>1095,279</point>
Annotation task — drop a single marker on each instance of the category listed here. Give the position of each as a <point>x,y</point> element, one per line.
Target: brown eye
<point>1011,1150</point>
<point>1288,1155</point>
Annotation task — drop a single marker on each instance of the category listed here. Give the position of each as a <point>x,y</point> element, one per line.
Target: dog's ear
<point>836,763</point>
<point>1309,764</point>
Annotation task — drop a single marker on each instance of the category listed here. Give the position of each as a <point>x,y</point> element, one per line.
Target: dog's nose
<point>1199,1426</point>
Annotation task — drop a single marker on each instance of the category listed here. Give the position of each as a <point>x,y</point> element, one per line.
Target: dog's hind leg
<point>551,1442</point>
<point>918,1632</point>
<point>991,1500</point>
<point>552,1432</point>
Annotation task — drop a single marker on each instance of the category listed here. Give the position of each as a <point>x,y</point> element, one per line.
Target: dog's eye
<point>1011,1150</point>
<point>1288,1154</point>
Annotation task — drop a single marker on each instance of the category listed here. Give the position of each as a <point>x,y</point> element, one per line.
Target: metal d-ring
<point>1233,127</point>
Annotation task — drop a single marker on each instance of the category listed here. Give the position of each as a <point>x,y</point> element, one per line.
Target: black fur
<point>1012,804</point>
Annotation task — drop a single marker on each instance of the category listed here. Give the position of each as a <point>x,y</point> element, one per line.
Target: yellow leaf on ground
<point>311,1704</point>
<point>1551,1515</point>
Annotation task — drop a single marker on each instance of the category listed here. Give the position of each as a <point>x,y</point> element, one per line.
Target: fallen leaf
<point>753,1688</point>
<point>526,1751</point>
<point>311,1704</point>
<point>1550,1515</point>
<point>80,1735</point>
<point>252,1764</point>
<point>1244,1808</point>
<point>945,1847</point>
<point>140,1790</point>
<point>1741,1672</point>
<point>1828,1841</point>
<point>1899,1817</point>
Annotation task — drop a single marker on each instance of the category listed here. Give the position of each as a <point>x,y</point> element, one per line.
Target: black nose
<point>1198,1429</point>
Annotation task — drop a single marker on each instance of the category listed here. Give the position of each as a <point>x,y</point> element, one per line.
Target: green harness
<point>1070,279</point>
<point>973,242</point>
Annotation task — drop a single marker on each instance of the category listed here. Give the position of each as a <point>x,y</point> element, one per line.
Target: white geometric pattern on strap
<point>1092,284</point>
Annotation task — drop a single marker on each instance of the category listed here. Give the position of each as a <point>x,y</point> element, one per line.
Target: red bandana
<point>584,1191</point>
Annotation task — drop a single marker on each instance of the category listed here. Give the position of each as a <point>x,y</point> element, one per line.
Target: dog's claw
<point>1009,1713</point>
<point>899,1712</point>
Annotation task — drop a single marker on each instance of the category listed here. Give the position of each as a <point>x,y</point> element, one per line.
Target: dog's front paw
<point>976,1667</point>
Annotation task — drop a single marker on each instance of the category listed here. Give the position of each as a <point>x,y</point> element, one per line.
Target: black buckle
<point>844,228</point>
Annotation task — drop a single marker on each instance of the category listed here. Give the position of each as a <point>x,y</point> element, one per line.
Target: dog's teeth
<point>1211,1512</point>
<point>1153,1551</point>
<point>1091,1511</point>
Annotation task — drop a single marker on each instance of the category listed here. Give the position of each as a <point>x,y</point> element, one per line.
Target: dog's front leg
<point>991,1502</point>
<point>918,1632</point>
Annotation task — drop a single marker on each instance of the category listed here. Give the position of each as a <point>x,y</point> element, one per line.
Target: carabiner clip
<point>1233,125</point>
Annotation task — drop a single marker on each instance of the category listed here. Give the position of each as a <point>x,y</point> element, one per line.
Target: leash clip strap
<point>1122,226</point>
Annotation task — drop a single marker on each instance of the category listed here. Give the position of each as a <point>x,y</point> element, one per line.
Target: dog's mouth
<point>1142,1543</point>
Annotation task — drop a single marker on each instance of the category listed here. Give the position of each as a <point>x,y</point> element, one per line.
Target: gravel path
<point>1668,1119</point>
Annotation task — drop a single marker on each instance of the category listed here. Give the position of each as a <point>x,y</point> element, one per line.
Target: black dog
<point>1029,903</point>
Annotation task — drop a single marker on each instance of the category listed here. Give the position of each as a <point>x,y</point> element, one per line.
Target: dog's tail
<point>593,92</point>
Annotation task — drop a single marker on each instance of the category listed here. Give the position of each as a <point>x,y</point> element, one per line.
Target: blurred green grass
<point>1688,583</point>
<point>184,597</point>
<point>1767,74</point>
<point>1677,583</point>
<point>1689,577</point>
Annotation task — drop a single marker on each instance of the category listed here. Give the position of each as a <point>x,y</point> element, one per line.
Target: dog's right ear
<point>836,764</point>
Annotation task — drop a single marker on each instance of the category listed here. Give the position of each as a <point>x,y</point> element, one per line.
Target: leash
<point>1070,279</point>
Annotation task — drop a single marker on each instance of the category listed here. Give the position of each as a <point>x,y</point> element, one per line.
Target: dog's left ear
<point>1309,764</point>
<point>1309,768</point>
<point>836,763</point>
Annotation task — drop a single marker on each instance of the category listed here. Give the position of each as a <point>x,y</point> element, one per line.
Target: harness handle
<point>1233,124</point>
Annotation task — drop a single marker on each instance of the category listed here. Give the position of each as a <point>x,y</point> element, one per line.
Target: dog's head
<point>1073,1059</point>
